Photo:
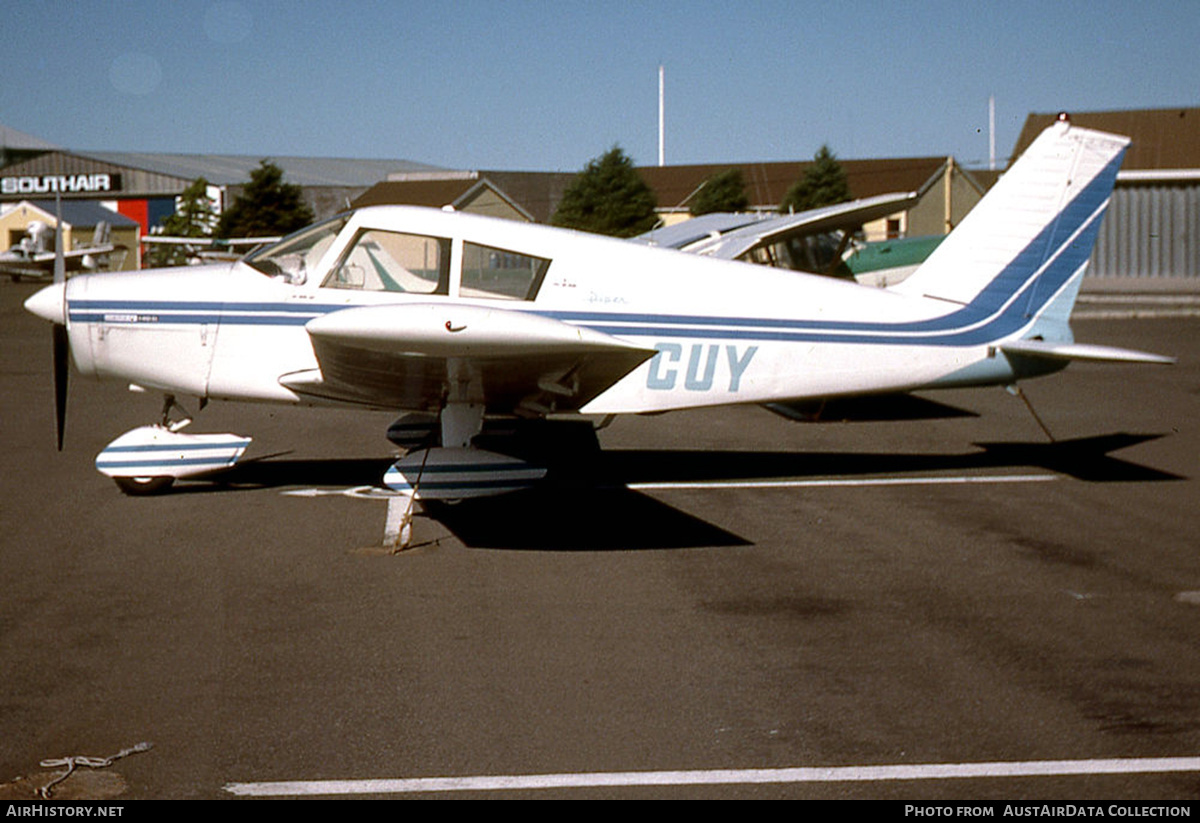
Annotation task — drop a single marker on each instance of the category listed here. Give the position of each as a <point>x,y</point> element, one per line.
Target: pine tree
<point>608,197</point>
<point>823,184</point>
<point>266,206</point>
<point>725,191</point>
<point>194,216</point>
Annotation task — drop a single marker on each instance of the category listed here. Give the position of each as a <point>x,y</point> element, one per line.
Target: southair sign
<point>60,183</point>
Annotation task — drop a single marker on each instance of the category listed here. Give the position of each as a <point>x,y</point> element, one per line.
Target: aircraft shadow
<point>561,519</point>
<point>1085,458</point>
<point>271,472</point>
<point>563,516</point>
<point>584,505</point>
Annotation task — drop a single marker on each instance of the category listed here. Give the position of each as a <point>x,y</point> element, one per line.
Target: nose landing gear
<point>149,459</point>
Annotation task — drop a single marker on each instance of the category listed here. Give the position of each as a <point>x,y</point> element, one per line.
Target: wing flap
<point>415,356</point>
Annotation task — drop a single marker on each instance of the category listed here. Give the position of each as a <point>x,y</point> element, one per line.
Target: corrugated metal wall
<point>1150,231</point>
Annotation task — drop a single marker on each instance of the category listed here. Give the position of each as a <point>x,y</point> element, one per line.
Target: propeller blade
<point>62,350</point>
<point>62,343</point>
<point>60,261</point>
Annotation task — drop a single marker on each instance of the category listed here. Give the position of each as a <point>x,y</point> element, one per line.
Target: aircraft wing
<point>169,240</point>
<point>41,264</point>
<point>73,258</point>
<point>418,355</point>
<point>22,268</point>
<point>697,229</point>
<point>739,242</point>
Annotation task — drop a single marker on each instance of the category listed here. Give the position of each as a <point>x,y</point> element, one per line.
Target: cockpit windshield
<point>293,257</point>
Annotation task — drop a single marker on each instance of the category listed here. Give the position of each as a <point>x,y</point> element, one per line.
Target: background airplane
<point>33,256</point>
<point>814,241</point>
<point>460,318</point>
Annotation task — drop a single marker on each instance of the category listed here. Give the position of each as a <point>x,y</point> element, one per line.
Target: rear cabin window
<point>501,274</point>
<point>391,261</point>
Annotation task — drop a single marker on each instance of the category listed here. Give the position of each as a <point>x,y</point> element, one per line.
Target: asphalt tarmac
<point>720,604</point>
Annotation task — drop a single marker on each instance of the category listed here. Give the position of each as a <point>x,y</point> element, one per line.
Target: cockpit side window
<point>501,274</point>
<point>391,261</point>
<point>296,255</point>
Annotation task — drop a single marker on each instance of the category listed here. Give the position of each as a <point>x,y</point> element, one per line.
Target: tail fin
<point>1023,249</point>
<point>101,234</point>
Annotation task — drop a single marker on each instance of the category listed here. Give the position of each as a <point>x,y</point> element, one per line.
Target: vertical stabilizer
<point>1025,246</point>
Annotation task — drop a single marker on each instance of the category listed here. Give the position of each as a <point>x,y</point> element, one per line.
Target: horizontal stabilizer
<point>1082,351</point>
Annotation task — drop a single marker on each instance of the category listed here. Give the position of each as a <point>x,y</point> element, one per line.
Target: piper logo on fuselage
<point>703,361</point>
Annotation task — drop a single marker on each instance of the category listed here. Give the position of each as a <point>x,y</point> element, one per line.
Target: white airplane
<point>33,256</point>
<point>458,318</point>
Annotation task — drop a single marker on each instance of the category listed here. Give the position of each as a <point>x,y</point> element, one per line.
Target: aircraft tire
<point>143,486</point>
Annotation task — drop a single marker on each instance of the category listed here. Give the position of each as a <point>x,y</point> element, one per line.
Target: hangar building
<point>143,186</point>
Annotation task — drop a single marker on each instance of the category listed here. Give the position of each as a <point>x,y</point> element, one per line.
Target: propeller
<point>62,349</point>
<point>51,304</point>
<point>62,345</point>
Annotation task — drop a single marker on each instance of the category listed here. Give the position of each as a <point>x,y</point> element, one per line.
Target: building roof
<point>457,190</point>
<point>13,139</point>
<point>432,193</point>
<point>78,212</point>
<point>1162,138</point>
<point>534,193</point>
<point>234,169</point>
<point>767,183</point>
<point>539,193</point>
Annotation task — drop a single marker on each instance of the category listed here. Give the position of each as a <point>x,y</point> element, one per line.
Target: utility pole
<point>992,132</point>
<point>662,139</point>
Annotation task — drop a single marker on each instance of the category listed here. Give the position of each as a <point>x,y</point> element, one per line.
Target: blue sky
<point>531,85</point>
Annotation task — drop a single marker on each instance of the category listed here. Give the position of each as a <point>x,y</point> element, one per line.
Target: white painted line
<point>861,481</point>
<point>1124,299</point>
<point>832,774</point>
<point>357,492</point>
<point>1134,314</point>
